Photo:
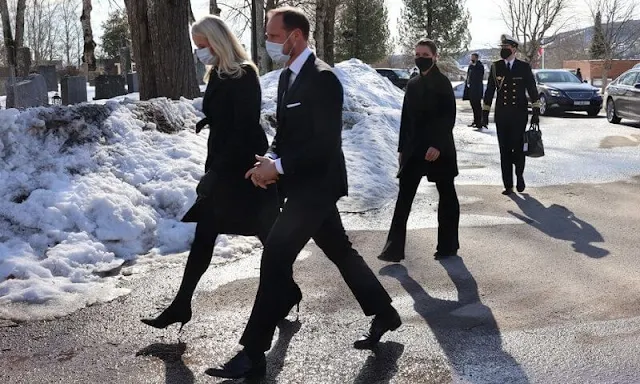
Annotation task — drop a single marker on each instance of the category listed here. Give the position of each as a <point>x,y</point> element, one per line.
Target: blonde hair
<point>231,55</point>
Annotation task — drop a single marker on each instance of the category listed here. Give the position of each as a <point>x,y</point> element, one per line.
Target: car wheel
<point>611,112</point>
<point>593,112</point>
<point>543,105</point>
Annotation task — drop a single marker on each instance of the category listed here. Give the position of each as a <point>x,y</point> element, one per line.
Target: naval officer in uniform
<point>509,80</point>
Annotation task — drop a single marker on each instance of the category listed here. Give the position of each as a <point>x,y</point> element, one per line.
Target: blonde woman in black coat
<point>227,202</point>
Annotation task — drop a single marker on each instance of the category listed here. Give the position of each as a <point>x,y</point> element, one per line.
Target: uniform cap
<point>506,39</point>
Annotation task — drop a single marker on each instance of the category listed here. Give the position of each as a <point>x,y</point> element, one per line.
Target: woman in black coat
<point>227,203</point>
<point>426,147</point>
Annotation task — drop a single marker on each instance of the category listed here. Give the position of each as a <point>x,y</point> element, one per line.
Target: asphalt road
<point>554,299</point>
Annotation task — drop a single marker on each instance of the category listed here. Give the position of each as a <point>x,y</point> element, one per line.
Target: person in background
<point>474,89</point>
<point>414,73</point>
<point>227,203</point>
<point>307,160</point>
<point>426,147</point>
<point>579,74</point>
<point>511,79</point>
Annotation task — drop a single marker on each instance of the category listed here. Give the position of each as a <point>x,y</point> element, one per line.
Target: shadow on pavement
<point>277,354</point>
<point>382,365</point>
<point>559,222</point>
<point>465,329</point>
<point>176,371</point>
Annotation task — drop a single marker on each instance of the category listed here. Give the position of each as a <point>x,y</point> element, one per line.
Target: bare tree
<point>42,30</point>
<point>213,8</point>
<point>20,9</point>
<point>318,33</point>
<point>533,22</point>
<point>88,56</point>
<point>162,49</point>
<point>69,24</point>
<point>617,25</point>
<point>9,42</point>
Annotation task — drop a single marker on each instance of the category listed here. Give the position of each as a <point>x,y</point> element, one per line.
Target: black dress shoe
<point>388,321</point>
<point>508,191</point>
<point>439,255</point>
<point>241,366</point>
<point>520,185</point>
<point>387,257</point>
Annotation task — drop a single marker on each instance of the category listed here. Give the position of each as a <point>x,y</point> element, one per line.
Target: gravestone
<point>108,86</point>
<point>74,89</point>
<point>30,91</point>
<point>91,77</point>
<point>5,71</point>
<point>201,69</point>
<point>132,82</point>
<point>50,76</point>
<point>110,67</point>
<point>3,86</point>
<point>23,62</point>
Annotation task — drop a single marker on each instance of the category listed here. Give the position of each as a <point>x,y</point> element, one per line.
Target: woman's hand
<point>432,154</point>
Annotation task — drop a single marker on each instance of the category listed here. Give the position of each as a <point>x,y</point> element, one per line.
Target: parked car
<point>561,91</point>
<point>399,77</point>
<point>636,66</point>
<point>458,88</point>
<point>623,97</point>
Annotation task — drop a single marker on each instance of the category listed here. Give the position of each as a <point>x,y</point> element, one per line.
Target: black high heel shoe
<point>295,302</point>
<point>171,315</point>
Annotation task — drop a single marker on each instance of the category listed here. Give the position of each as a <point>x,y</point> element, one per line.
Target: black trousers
<point>476,105</point>
<point>448,213</point>
<point>300,220</point>
<point>202,251</point>
<point>511,124</point>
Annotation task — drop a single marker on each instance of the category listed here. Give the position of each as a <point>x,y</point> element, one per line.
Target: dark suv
<point>561,91</point>
<point>623,97</point>
<point>399,77</point>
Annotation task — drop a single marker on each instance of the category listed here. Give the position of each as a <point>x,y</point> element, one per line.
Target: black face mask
<point>505,53</point>
<point>424,63</point>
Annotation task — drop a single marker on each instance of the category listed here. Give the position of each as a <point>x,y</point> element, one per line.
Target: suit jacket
<point>428,118</point>
<point>308,137</point>
<point>232,109</point>
<point>511,87</point>
<point>474,82</point>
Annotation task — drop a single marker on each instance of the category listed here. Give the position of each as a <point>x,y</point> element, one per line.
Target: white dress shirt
<point>509,63</point>
<point>295,67</point>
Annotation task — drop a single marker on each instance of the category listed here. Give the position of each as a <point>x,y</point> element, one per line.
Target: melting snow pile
<point>86,188</point>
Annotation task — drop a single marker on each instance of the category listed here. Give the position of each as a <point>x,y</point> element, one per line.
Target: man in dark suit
<point>474,88</point>
<point>426,147</point>
<point>307,161</point>
<point>512,79</point>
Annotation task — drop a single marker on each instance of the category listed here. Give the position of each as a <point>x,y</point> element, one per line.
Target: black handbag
<point>533,146</point>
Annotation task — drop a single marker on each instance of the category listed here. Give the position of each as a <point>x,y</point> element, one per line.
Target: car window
<point>557,77</point>
<point>629,79</point>
<point>402,74</point>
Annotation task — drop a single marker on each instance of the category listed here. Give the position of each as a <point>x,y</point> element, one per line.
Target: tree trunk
<point>330,31</point>
<point>89,44</point>
<point>9,42</point>
<point>161,48</point>
<point>265,60</point>
<point>214,10</point>
<point>20,9</point>
<point>263,56</point>
<point>318,34</point>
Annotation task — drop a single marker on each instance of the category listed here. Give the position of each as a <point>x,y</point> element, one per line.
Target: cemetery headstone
<point>30,91</point>
<point>132,82</point>
<point>108,86</point>
<point>23,61</point>
<point>50,76</point>
<point>74,89</point>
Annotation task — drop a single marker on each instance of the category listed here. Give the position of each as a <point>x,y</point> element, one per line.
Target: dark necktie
<point>509,66</point>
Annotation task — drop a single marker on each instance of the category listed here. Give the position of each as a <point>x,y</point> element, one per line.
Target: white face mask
<point>275,51</point>
<point>206,57</point>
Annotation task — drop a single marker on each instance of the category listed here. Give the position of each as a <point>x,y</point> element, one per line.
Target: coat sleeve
<point>404,121</point>
<point>325,125</point>
<point>446,120</point>
<point>491,89</point>
<point>532,89</point>
<point>245,100</point>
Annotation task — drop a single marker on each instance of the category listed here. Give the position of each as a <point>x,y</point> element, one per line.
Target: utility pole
<point>254,37</point>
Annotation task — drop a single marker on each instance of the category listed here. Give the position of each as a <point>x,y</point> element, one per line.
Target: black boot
<point>520,184</point>
<point>242,365</point>
<point>387,321</point>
